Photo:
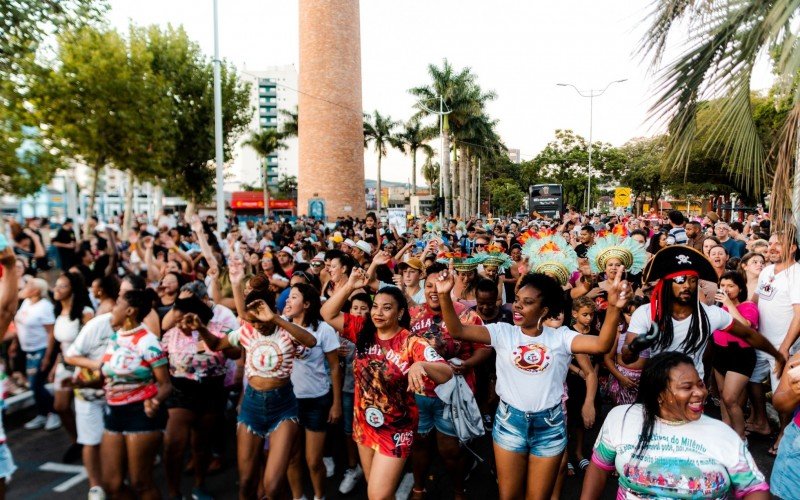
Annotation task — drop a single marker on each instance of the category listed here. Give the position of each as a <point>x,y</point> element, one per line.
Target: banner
<point>397,218</point>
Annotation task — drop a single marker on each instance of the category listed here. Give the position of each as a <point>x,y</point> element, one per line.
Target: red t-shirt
<point>429,325</point>
<point>385,414</point>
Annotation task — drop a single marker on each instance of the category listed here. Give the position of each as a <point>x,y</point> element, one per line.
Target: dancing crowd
<point>360,346</point>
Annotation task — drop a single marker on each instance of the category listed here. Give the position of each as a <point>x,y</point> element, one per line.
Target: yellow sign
<point>622,197</point>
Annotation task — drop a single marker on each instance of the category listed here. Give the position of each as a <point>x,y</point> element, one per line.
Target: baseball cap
<point>413,263</point>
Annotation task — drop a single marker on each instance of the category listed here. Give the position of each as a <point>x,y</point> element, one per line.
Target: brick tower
<point>331,133</point>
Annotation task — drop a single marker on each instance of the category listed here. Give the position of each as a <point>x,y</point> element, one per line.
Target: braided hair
<point>699,327</point>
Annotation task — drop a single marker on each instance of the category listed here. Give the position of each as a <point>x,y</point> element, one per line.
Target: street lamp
<point>591,94</point>
<point>221,223</point>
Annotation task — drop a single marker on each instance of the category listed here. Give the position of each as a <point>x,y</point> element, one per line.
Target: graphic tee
<point>718,319</point>
<point>309,376</point>
<point>429,325</point>
<point>385,414</point>
<point>128,366</point>
<point>777,293</point>
<point>266,356</point>
<point>531,370</point>
<point>700,459</point>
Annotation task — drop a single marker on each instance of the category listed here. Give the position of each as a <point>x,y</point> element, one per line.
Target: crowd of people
<point>403,344</point>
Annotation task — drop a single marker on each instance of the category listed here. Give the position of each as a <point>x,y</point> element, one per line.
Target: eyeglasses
<point>480,245</point>
<point>317,264</point>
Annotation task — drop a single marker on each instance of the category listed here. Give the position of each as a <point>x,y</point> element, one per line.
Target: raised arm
<point>8,289</point>
<point>618,295</point>
<point>332,308</point>
<point>475,333</point>
<point>380,259</point>
<point>261,311</point>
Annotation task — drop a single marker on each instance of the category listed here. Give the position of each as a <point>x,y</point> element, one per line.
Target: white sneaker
<point>351,478</point>
<point>53,422</point>
<point>330,466</point>
<point>37,422</point>
<point>97,493</point>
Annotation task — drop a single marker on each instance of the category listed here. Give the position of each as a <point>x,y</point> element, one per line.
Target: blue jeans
<point>263,411</point>
<point>541,433</point>
<point>37,380</point>
<point>348,402</point>
<point>431,414</point>
<point>785,472</point>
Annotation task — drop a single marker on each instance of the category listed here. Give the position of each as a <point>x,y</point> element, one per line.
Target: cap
<point>287,250</point>
<point>320,257</point>
<point>364,247</point>
<point>413,263</point>
<point>677,259</point>
<point>349,242</point>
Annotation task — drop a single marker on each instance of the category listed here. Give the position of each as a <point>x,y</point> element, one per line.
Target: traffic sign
<point>622,197</point>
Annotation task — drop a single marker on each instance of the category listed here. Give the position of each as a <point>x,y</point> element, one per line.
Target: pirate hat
<point>675,260</point>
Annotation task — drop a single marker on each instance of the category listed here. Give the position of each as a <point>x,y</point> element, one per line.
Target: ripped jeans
<point>263,411</point>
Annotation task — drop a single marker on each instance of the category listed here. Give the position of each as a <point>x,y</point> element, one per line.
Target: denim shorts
<point>431,414</point>
<point>313,412</point>
<point>131,419</point>
<point>541,433</point>
<point>7,465</point>
<point>263,411</point>
<point>348,403</point>
<point>198,396</point>
<point>785,473</point>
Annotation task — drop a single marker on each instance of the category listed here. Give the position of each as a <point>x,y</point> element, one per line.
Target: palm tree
<point>726,40</point>
<point>287,185</point>
<point>379,130</point>
<point>266,142</point>
<point>413,138</point>
<point>290,127</point>
<point>430,172</point>
<point>477,139</point>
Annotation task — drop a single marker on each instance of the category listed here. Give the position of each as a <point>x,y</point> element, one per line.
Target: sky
<point>519,49</point>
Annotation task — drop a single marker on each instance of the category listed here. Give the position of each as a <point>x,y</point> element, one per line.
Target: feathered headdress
<point>551,255</point>
<point>495,256</point>
<point>461,261</point>
<point>632,255</point>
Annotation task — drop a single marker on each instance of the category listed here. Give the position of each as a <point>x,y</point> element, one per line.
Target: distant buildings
<point>514,155</point>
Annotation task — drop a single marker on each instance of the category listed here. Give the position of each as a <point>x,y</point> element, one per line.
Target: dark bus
<point>546,199</point>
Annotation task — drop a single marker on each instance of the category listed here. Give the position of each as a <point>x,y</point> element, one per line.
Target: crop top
<point>266,356</point>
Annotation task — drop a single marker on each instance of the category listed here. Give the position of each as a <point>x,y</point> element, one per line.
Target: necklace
<point>671,422</point>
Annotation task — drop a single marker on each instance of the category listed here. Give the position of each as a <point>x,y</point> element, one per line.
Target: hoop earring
<point>539,324</point>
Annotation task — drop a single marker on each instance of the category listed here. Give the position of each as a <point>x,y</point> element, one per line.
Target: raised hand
<point>446,280</point>
<point>195,224</point>
<point>261,311</point>
<point>358,278</point>
<point>398,281</point>
<point>7,258</point>
<point>191,321</point>
<point>382,258</point>
<point>236,270</point>
<point>619,292</point>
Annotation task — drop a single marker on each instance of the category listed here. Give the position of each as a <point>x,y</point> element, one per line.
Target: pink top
<point>749,311</point>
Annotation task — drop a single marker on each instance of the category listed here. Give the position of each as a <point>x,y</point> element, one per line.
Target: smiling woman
<point>705,457</point>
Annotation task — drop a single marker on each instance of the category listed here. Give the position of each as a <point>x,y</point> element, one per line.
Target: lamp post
<point>221,223</point>
<point>591,94</point>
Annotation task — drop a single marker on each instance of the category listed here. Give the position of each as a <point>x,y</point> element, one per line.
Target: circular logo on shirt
<point>532,358</point>
<point>374,417</point>
<point>265,356</point>
<point>431,354</point>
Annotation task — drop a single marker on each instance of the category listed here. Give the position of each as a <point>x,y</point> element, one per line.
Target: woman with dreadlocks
<point>675,319</point>
<point>665,447</point>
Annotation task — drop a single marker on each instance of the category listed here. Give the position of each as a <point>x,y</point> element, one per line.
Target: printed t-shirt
<point>309,376</point>
<point>749,311</point>
<point>717,320</point>
<point>700,459</point>
<point>91,342</point>
<point>266,356</point>
<point>65,329</point>
<point>385,413</point>
<point>30,321</point>
<point>531,370</point>
<point>777,293</point>
<point>128,366</point>
<point>429,325</point>
<point>185,361</point>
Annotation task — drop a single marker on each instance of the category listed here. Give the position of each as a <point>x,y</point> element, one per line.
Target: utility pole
<point>221,223</point>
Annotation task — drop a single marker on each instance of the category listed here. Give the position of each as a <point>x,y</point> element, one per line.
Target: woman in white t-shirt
<point>319,401</point>
<point>34,322</point>
<point>72,310</point>
<point>532,362</point>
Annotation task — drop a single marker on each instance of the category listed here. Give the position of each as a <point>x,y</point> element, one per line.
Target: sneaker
<point>201,494</point>
<point>330,466</point>
<point>97,493</point>
<point>53,422</point>
<point>350,480</point>
<point>37,423</point>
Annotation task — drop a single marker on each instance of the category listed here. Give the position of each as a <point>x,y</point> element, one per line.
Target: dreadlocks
<point>699,328</point>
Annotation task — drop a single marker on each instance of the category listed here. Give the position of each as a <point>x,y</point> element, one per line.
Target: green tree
<point>725,41</point>
<point>103,104</point>
<point>414,138</point>
<point>287,186</point>
<point>507,197</point>
<point>643,173</point>
<point>188,76</point>
<point>430,172</point>
<point>291,125</point>
<point>379,130</point>
<point>266,142</point>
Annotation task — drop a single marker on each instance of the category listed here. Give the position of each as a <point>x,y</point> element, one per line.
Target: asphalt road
<point>41,476</point>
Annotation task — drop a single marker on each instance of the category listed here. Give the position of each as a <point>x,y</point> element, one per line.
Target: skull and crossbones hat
<point>679,260</point>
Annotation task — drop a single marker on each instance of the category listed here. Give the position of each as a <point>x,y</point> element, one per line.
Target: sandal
<point>583,464</point>
<point>570,469</point>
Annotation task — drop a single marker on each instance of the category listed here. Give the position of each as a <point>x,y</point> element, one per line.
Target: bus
<point>546,199</point>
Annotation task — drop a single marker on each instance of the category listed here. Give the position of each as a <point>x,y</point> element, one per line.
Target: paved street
<point>41,476</point>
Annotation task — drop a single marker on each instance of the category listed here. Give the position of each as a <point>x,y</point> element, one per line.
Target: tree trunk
<point>463,166</point>
<point>98,166</point>
<point>454,181</point>
<point>266,188</point>
<point>158,203</point>
<point>444,173</point>
<point>413,172</point>
<point>378,189</point>
<point>128,217</point>
<point>475,206</point>
<point>191,206</point>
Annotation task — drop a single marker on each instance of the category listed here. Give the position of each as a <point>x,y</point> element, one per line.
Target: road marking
<point>79,477</point>
<point>404,490</point>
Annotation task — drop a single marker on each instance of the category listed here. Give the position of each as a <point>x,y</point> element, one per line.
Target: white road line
<point>78,471</point>
<point>404,490</point>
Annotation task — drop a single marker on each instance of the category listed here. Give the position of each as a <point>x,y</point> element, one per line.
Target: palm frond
<point>784,204</point>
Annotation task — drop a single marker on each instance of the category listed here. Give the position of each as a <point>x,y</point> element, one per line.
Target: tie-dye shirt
<point>700,459</point>
<point>128,366</point>
<point>184,359</point>
<point>266,356</point>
